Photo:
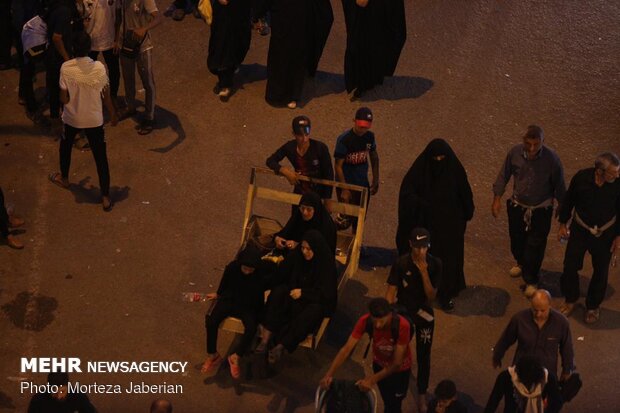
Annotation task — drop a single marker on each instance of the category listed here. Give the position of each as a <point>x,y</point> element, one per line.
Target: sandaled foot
<point>224,94</point>
<point>592,316</point>
<point>16,222</point>
<point>515,271</point>
<point>57,179</point>
<point>178,14</point>
<point>106,203</point>
<point>292,104</point>
<point>233,363</point>
<point>14,242</point>
<point>146,127</point>
<point>567,308</point>
<point>211,364</point>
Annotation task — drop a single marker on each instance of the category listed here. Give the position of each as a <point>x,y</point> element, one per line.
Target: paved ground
<point>107,286</point>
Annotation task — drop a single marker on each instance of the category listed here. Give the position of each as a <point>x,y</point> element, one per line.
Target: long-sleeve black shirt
<point>542,342</point>
<point>535,180</point>
<point>595,205</point>
<point>315,163</point>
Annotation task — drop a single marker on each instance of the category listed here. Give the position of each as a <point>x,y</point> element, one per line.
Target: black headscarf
<point>317,276</point>
<point>425,179</point>
<point>322,221</point>
<point>245,291</point>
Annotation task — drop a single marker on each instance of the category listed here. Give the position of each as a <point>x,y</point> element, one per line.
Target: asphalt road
<point>107,286</point>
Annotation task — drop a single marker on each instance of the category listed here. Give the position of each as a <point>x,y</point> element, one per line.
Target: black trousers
<point>52,78</point>
<point>291,320</point>
<point>114,69</point>
<point>96,140</point>
<point>424,331</point>
<point>393,389</point>
<point>184,4</point>
<point>6,32</point>
<point>580,242</point>
<point>528,247</point>
<point>226,308</point>
<point>225,78</point>
<point>4,217</point>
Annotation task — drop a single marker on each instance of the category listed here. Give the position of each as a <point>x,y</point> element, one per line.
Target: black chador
<point>435,194</point>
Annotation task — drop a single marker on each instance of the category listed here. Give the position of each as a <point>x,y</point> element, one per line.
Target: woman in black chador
<point>229,42</point>
<point>376,33</point>
<point>435,194</point>
<point>296,309</point>
<point>299,31</point>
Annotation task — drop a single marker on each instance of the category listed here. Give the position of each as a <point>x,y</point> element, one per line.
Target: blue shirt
<point>354,150</point>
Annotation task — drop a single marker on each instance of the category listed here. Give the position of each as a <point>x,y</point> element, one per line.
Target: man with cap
<point>412,284</point>
<point>353,149</point>
<point>538,180</point>
<point>308,157</point>
<point>60,400</point>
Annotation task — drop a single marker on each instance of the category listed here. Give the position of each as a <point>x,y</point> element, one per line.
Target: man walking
<point>413,283</point>
<point>83,87</point>
<point>593,203</point>
<point>539,331</point>
<point>391,356</point>
<point>538,178</point>
<point>353,150</point>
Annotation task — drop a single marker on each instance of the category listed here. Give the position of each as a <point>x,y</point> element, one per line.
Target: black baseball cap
<point>301,125</point>
<point>363,117</point>
<point>420,238</point>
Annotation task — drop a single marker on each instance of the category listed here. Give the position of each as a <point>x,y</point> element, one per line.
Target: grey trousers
<point>145,70</point>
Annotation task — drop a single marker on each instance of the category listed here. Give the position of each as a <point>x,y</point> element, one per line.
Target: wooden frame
<point>351,243</point>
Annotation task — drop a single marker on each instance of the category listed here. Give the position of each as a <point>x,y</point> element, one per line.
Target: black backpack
<point>344,396</point>
<point>397,313</point>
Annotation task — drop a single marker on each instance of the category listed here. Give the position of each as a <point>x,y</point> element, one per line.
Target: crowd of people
<point>435,201</point>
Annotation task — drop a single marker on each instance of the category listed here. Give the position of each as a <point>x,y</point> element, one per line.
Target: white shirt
<point>84,79</point>
<point>99,17</point>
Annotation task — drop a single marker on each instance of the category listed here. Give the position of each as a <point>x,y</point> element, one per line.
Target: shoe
<point>14,242</point>
<point>211,365</point>
<point>592,316</point>
<point>567,308</point>
<point>529,291</point>
<point>275,354</point>
<point>235,370</point>
<point>57,179</point>
<point>15,222</point>
<point>448,306</point>
<point>357,95</point>
<point>224,94</point>
<point>39,119</point>
<point>291,105</point>
<point>515,271</point>
<point>178,14</point>
<point>146,127</point>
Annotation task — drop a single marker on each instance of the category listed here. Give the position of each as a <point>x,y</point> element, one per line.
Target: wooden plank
<point>279,196</point>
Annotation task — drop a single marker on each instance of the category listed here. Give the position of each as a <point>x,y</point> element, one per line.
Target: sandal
<point>146,127</point>
<point>211,364</point>
<point>567,308</point>
<point>56,179</point>
<point>235,370</point>
<point>107,203</point>
<point>592,316</point>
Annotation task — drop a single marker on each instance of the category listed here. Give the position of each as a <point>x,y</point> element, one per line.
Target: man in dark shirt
<point>353,149</point>
<point>593,203</point>
<point>412,283</point>
<point>538,179</point>
<point>540,331</point>
<point>309,157</point>
<point>61,401</point>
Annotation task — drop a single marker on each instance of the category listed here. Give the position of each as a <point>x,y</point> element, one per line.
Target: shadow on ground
<point>85,193</point>
<point>31,312</point>
<point>5,401</point>
<point>168,120</point>
<point>482,300</point>
<point>398,88</point>
<point>377,257</point>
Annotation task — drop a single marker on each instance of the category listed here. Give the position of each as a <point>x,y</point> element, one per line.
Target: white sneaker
<point>529,291</point>
<point>515,271</point>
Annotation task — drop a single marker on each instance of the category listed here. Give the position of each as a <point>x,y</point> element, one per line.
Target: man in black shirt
<point>413,282</point>
<point>593,203</point>
<point>309,157</point>
<point>60,401</point>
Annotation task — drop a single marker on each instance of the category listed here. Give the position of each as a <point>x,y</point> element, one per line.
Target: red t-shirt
<point>383,345</point>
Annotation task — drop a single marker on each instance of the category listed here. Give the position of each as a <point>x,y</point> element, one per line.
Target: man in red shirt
<point>391,360</point>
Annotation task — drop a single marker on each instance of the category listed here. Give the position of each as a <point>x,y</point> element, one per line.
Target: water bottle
<point>194,297</point>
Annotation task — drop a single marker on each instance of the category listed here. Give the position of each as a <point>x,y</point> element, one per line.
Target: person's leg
<point>145,70</point>
<point>516,230</point>
<point>306,321</point>
<point>573,263</point>
<point>114,72</point>
<point>96,140</point>
<point>93,54</point>
<point>250,325</point>
<point>276,314</point>
<point>129,79</point>
<point>52,78</point>
<point>424,340</point>
<point>535,244</point>
<point>221,310</point>
<point>601,255</point>
<point>225,78</point>
<point>66,144</point>
<point>26,88</point>
<point>393,389</point>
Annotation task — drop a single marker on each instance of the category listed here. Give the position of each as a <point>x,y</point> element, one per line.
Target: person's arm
<point>393,282</point>
<point>64,96</point>
<point>60,46</point>
<point>507,339</point>
<point>273,163</point>
<point>326,171</point>
<point>156,19</point>
<point>107,100</point>
<point>467,196</point>
<point>500,184</point>
<point>374,164</point>
<point>340,358</point>
<point>557,181</point>
<point>59,19</point>
<point>566,208</point>
<point>429,290</point>
<point>567,353</point>
<point>226,284</point>
<point>390,293</point>
<point>502,384</point>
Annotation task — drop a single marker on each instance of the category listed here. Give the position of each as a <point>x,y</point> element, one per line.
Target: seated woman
<point>296,309</point>
<point>525,388</point>
<point>241,295</point>
<point>311,214</point>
